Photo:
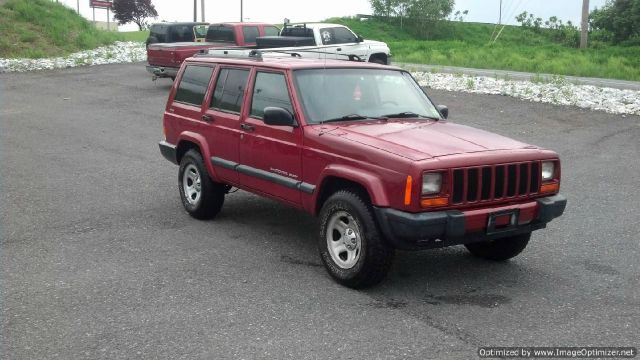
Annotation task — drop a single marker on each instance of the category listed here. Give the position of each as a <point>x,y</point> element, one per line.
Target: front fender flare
<point>370,181</point>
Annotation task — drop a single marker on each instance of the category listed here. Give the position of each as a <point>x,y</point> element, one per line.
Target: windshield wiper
<point>352,117</point>
<point>409,114</point>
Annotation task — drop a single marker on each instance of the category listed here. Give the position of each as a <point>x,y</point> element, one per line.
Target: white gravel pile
<point>119,52</point>
<point>558,91</point>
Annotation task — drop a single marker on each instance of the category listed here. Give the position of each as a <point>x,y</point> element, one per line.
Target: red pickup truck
<point>360,145</point>
<point>165,58</point>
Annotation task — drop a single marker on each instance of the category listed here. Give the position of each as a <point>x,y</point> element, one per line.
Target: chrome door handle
<point>247,127</point>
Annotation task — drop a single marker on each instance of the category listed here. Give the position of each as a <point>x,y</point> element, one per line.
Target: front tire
<point>201,197</point>
<point>350,244</point>
<point>500,249</point>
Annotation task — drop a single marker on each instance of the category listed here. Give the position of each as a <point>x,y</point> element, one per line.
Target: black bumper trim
<point>168,151</point>
<point>409,231</point>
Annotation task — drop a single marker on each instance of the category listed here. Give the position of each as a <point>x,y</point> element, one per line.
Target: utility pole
<point>202,9</point>
<point>241,18</point>
<point>500,16</point>
<point>585,24</point>
<point>195,10</point>
<point>78,7</point>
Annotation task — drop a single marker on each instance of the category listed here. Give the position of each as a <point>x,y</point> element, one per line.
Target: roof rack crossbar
<point>258,54</point>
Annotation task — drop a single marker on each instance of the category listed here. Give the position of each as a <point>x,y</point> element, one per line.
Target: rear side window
<point>271,31</point>
<point>229,91</point>
<point>270,90</point>
<point>220,34</point>
<point>193,85</point>
<point>250,34</point>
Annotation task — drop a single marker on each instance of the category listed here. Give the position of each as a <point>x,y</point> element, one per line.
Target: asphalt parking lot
<point>99,260</point>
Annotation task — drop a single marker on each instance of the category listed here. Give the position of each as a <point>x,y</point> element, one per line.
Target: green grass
<point>517,49</point>
<point>139,36</point>
<point>43,28</point>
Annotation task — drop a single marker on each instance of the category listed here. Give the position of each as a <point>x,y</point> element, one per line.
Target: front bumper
<point>162,71</point>
<point>409,231</point>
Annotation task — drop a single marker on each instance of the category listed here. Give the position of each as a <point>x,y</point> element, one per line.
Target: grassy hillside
<point>518,49</point>
<point>43,28</point>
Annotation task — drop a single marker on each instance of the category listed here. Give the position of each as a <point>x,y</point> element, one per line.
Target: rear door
<point>223,118</point>
<point>187,107</point>
<point>271,155</point>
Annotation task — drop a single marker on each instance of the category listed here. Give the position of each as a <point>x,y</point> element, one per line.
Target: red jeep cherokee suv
<point>363,147</point>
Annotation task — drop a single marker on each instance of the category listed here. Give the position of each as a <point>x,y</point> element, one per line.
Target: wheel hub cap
<point>343,239</point>
<point>350,239</point>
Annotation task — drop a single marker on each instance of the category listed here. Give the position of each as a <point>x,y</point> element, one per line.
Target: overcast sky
<point>274,11</point>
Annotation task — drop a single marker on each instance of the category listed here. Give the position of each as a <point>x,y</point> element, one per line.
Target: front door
<point>271,155</point>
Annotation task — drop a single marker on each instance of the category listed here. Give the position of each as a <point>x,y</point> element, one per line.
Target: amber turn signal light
<point>550,188</point>
<point>432,202</point>
<point>407,190</point>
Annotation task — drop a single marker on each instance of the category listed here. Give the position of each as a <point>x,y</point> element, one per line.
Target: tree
<point>423,15</point>
<point>136,11</point>
<point>620,17</point>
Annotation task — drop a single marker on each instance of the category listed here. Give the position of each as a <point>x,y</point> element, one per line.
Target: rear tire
<point>350,244</point>
<point>201,197</point>
<point>500,249</point>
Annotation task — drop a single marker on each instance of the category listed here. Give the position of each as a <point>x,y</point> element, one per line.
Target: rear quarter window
<point>193,85</point>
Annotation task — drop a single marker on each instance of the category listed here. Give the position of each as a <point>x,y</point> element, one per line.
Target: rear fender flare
<point>203,146</point>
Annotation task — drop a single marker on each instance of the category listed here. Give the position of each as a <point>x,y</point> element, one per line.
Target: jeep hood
<point>419,140</point>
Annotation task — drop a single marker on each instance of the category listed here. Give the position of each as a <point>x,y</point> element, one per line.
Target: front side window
<point>337,35</point>
<point>270,89</point>
<point>331,94</point>
<point>193,85</point>
<point>229,91</point>
<point>250,34</point>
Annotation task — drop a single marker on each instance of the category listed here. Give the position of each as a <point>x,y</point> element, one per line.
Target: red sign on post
<point>100,4</point>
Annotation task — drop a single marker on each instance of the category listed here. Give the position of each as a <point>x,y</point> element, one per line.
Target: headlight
<point>548,169</point>
<point>431,183</point>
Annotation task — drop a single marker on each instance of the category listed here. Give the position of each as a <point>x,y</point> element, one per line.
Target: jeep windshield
<point>341,94</point>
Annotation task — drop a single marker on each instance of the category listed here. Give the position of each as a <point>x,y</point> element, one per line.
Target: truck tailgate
<point>173,54</point>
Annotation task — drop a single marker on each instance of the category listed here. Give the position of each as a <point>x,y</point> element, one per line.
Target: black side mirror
<point>278,116</point>
<point>444,111</point>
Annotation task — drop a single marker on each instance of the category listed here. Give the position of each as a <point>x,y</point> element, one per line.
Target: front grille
<point>494,182</point>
